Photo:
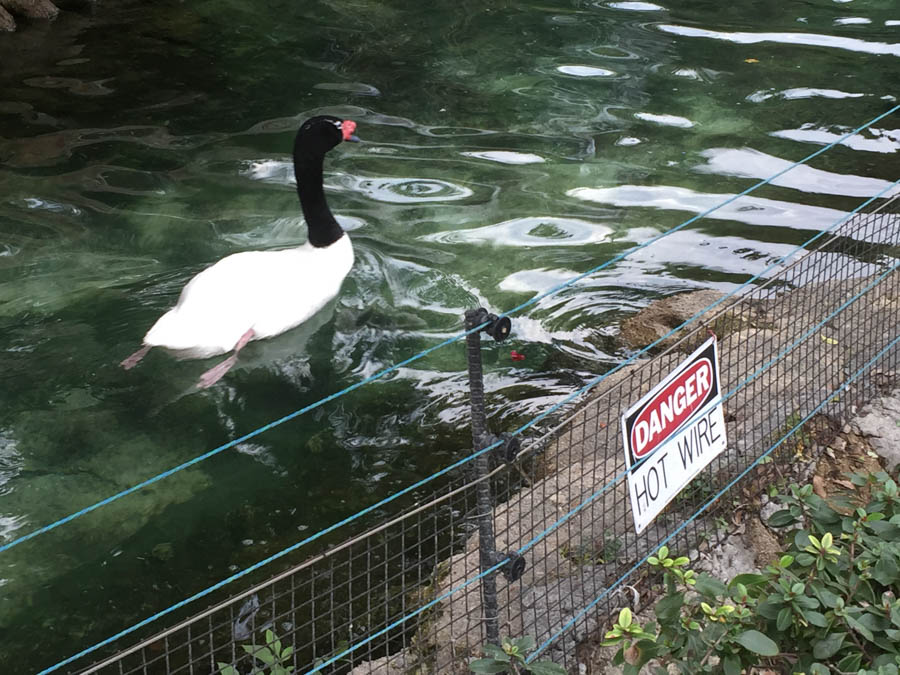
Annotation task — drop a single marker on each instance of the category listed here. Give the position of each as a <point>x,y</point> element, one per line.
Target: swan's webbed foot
<point>214,374</point>
<point>135,358</point>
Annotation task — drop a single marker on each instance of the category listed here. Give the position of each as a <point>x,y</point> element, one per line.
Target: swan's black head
<point>319,134</point>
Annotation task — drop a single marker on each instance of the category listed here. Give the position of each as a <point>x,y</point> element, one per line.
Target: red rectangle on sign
<point>672,403</point>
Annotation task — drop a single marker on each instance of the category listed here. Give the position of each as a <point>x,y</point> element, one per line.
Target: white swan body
<point>260,294</point>
<point>268,292</point>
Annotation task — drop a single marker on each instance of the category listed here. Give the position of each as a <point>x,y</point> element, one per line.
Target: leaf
<point>886,571</point>
<point>858,627</point>
<point>785,619</point>
<point>850,663</point>
<point>819,669</point>
<point>546,668</point>
<point>782,518</point>
<point>264,654</point>
<point>731,664</point>
<point>828,598</point>
<point>709,586</point>
<point>815,618</point>
<point>523,644</point>
<point>487,666</point>
<point>632,655</point>
<point>828,340</point>
<point>769,609</point>
<point>805,559</point>
<point>757,643</point>
<point>748,580</point>
<point>873,622</point>
<point>806,602</point>
<point>819,486</point>
<point>669,607</point>
<point>801,539</point>
<point>496,653</point>
<point>885,529</point>
<point>226,669</point>
<point>286,654</point>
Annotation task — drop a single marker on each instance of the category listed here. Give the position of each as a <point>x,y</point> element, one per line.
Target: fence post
<point>498,329</point>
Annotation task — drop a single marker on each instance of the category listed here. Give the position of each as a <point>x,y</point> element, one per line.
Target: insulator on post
<point>498,327</point>
<point>514,567</point>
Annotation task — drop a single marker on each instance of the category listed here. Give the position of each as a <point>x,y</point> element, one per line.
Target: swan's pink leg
<point>133,360</point>
<point>214,374</point>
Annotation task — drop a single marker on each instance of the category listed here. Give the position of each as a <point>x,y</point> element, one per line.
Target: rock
<point>654,321</point>
<point>729,560</point>
<point>32,9</point>
<point>386,665</point>
<point>839,444</point>
<point>880,424</point>
<point>7,23</point>
<point>767,509</point>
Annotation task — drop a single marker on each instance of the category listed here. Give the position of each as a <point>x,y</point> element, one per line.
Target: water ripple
<point>800,93</point>
<point>806,39</point>
<point>408,190</point>
<point>529,231</point>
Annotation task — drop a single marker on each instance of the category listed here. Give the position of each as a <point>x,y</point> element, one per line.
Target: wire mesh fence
<point>406,596</point>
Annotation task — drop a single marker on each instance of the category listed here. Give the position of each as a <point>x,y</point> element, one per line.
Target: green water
<point>508,147</point>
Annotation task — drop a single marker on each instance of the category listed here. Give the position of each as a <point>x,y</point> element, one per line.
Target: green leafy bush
<point>272,655</point>
<point>828,605</point>
<point>510,658</point>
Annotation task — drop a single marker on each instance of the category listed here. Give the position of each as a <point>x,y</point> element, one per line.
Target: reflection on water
<point>507,148</point>
<point>750,210</point>
<point>885,141</point>
<point>748,163</point>
<point>529,231</point>
<point>808,39</point>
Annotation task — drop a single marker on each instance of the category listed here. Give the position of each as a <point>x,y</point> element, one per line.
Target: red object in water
<point>516,356</point>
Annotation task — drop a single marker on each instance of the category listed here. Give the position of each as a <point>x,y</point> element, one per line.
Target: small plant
<point>273,656</point>
<point>800,439</point>
<point>590,552</point>
<point>510,657</point>
<point>831,600</point>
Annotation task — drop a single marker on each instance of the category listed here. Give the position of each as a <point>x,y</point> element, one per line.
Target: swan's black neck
<point>323,228</point>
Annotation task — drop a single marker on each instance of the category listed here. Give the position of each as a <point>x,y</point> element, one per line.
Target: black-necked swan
<point>259,294</point>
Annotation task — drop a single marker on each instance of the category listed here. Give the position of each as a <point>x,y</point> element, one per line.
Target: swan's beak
<point>347,129</point>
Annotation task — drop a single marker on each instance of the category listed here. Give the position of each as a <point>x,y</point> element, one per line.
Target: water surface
<point>508,147</point>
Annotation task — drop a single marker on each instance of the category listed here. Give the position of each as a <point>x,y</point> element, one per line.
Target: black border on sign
<point>706,350</point>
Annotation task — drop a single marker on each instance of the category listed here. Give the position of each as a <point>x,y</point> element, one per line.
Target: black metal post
<point>486,544</point>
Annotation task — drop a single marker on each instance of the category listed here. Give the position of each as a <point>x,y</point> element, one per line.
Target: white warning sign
<point>673,432</point>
